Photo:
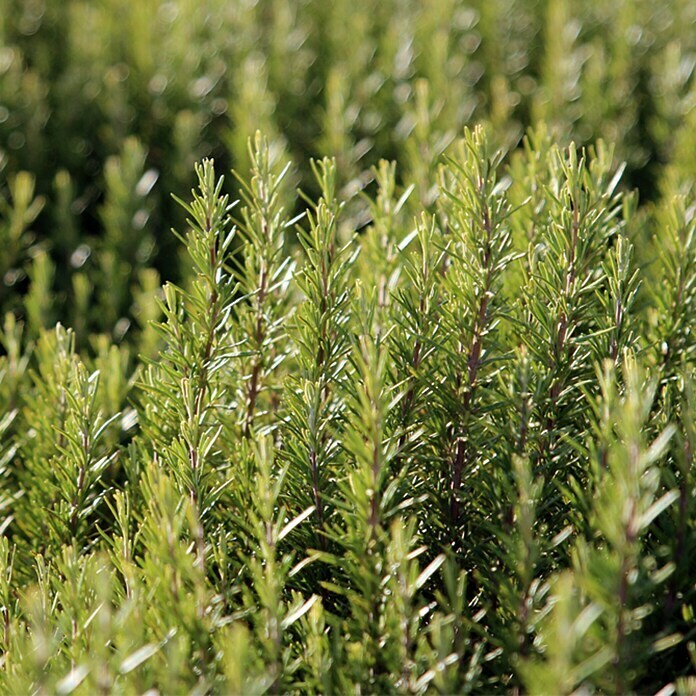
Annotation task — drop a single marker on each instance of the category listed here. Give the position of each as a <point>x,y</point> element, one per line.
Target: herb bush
<point>422,425</point>
<point>447,455</point>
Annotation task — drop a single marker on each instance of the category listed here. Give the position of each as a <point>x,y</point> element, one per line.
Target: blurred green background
<point>107,104</point>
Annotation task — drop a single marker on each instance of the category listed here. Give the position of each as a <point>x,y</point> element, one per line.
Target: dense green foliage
<point>426,424</point>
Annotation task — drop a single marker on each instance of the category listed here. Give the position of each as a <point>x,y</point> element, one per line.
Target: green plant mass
<point>347,347</point>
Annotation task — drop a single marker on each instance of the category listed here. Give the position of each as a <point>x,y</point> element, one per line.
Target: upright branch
<point>367,502</point>
<point>578,291</point>
<point>262,273</point>
<point>674,291</point>
<point>63,478</point>
<point>366,435</point>
<point>417,320</point>
<point>208,245</point>
<point>476,210</point>
<point>185,385</point>
<point>673,347</point>
<point>314,400</point>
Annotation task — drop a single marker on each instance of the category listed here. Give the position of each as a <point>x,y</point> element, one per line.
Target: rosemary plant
<point>435,439</point>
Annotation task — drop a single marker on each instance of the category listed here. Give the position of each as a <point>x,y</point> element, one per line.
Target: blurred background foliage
<point>108,103</point>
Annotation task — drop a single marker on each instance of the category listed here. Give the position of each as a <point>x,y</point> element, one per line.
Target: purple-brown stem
<point>560,343</point>
<point>259,336</point>
<point>473,364</point>
<point>374,499</point>
<point>201,389</point>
